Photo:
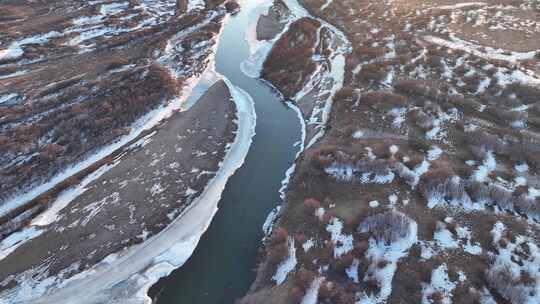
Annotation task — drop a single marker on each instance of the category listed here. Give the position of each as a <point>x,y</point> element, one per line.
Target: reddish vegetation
<point>310,205</point>
<point>286,66</point>
<point>433,118</point>
<point>278,248</point>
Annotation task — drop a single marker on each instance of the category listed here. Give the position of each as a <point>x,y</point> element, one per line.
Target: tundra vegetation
<point>425,186</point>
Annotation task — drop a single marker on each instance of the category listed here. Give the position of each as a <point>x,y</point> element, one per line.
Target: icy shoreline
<point>252,67</point>
<point>134,270</point>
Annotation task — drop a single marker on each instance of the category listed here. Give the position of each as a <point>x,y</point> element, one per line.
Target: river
<point>221,268</point>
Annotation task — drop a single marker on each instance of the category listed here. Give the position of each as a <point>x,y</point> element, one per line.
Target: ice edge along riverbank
<point>125,277</point>
<point>135,269</point>
<point>252,67</point>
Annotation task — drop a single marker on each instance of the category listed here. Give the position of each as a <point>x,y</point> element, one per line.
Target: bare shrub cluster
<point>443,184</point>
<point>409,176</point>
<point>501,279</point>
<point>387,227</point>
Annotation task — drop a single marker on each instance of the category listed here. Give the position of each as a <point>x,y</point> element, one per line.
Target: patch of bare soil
<point>145,188</point>
<point>425,187</point>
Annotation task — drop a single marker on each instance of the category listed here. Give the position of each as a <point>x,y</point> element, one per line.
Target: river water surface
<point>221,268</point>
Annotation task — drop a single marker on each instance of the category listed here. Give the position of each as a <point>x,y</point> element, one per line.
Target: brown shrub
<point>296,295</point>
<point>232,7</point>
<point>310,205</point>
<point>343,263</point>
<point>472,82</point>
<point>373,72</point>
<point>506,115</point>
<point>434,181</point>
<point>4,142</point>
<point>323,156</point>
<point>325,291</point>
<point>436,62</point>
<point>278,253</point>
<point>360,249</point>
<point>364,52</point>
<point>300,239</point>
<point>134,3</point>
<point>8,70</point>
<point>423,120</point>
<point>71,181</point>
<point>526,278</point>
<point>304,278</point>
<point>279,236</point>
<point>411,86</point>
<point>383,99</point>
<point>436,297</point>
<point>528,94</point>
<point>483,140</point>
<point>327,217</point>
<point>327,253</point>
<point>382,263</point>
<point>52,151</point>
<point>387,227</point>
<point>425,271</point>
<point>117,62</point>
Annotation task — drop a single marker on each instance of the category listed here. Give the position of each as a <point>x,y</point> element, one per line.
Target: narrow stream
<point>221,268</point>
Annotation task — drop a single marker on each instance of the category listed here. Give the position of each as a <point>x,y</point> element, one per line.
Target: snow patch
<point>287,265</point>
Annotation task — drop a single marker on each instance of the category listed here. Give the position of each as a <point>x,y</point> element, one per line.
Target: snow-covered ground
<point>132,271</point>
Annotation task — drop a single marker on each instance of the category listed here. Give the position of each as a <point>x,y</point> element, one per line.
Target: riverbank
<point>146,181</point>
